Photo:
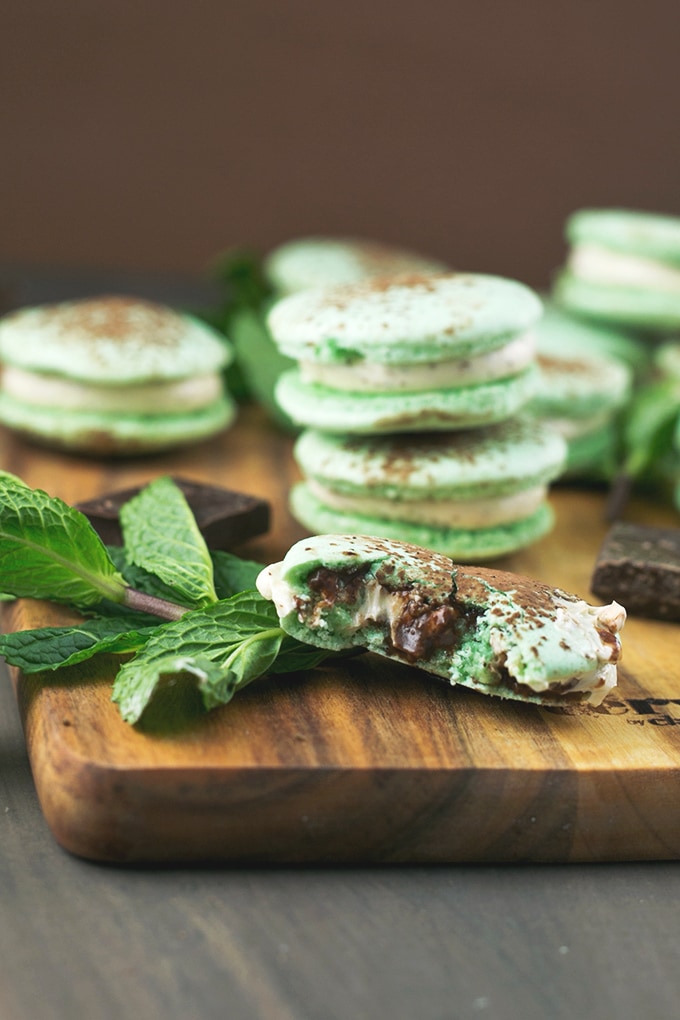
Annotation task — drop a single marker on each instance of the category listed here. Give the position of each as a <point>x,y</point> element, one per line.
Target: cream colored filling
<point>373,376</point>
<point>271,586</point>
<point>377,603</point>
<point>441,513</point>
<point>144,398</point>
<point>594,264</point>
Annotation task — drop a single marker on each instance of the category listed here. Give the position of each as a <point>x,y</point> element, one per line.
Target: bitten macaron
<point>112,376</point>
<point>305,262</point>
<point>623,267</point>
<point>496,632</point>
<point>407,353</point>
<point>472,494</point>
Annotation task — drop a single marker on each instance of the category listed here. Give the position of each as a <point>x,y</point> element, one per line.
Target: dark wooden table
<point>531,943</point>
<point>516,942</point>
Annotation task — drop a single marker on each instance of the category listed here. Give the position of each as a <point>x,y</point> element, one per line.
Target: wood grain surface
<point>370,762</point>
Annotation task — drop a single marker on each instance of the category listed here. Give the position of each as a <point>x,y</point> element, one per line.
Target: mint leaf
<point>161,536</point>
<point>53,647</point>
<point>247,661</point>
<point>233,574</point>
<point>219,649</point>
<point>260,360</point>
<point>241,284</point>
<point>7,476</point>
<point>648,439</point>
<point>213,635</point>
<point>142,580</point>
<point>48,550</point>
<point>295,656</point>
<point>649,425</point>
<point>240,276</point>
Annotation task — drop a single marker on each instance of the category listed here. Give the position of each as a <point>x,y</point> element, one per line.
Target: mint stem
<point>619,494</point>
<point>152,604</point>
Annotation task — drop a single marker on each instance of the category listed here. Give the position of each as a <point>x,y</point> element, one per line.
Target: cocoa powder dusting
<point>118,319</point>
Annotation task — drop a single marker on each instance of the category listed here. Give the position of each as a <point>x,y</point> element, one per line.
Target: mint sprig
<point>221,635</point>
<point>244,298</point>
<point>222,647</point>
<point>648,436</point>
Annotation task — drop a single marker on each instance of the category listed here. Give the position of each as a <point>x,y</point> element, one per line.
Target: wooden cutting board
<point>370,762</point>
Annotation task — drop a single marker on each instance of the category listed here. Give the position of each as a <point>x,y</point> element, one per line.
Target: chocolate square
<point>225,518</point>
<point>639,567</point>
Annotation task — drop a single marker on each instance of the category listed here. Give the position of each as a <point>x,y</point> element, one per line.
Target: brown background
<point>153,134</point>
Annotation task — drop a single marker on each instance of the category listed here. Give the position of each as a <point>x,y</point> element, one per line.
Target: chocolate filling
<point>421,630</point>
<point>611,639</point>
<point>337,586</point>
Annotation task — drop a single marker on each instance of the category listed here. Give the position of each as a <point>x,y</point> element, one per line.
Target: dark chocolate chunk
<point>224,517</point>
<point>639,567</point>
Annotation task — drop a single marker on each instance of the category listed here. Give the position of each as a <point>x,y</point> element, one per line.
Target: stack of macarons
<point>408,388</point>
<point>623,267</point>
<point>112,376</point>
<point>622,272</point>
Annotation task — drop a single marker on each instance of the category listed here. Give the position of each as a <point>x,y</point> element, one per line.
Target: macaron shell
<point>320,407</point>
<point>112,340</point>
<point>406,319</point>
<point>115,434</point>
<point>324,261</point>
<point>465,546</point>
<point>651,235</point>
<point>636,308</point>
<point>492,461</point>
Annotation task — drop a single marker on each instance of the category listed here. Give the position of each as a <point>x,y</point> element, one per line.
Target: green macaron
<point>414,352</point>
<point>623,267</point>
<point>112,375</point>
<point>567,334</point>
<point>474,494</point>
<point>305,262</point>
<point>580,395</point>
